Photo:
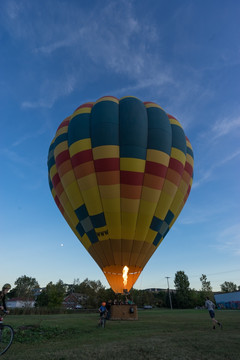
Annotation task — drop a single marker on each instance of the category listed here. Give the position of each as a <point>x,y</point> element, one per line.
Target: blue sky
<point>56,55</point>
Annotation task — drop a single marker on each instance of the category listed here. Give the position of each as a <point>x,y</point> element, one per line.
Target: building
<point>158,290</point>
<point>17,303</point>
<point>74,301</point>
<point>228,300</point>
<point>155,290</point>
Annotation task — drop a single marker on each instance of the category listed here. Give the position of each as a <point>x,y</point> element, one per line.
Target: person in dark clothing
<point>108,307</point>
<point>3,293</point>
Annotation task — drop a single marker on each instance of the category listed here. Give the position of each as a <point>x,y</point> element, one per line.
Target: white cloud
<point>28,136</point>
<point>44,103</point>
<point>114,40</point>
<point>211,143</point>
<point>200,215</point>
<point>51,91</point>
<point>228,158</point>
<point>225,126</point>
<point>208,174</point>
<point>147,82</point>
<point>110,38</point>
<point>229,240</point>
<point>14,157</point>
<point>67,40</point>
<point>13,8</point>
<point>222,127</point>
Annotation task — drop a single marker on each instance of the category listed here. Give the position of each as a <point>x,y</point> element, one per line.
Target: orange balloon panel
<point>120,172</point>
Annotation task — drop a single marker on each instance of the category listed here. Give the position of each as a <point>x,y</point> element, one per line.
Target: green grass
<point>158,334</point>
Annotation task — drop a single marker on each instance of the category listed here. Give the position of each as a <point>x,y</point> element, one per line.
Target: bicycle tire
<point>6,338</point>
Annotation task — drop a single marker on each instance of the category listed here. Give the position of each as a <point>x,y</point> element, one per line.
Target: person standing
<point>3,293</point>
<point>108,307</point>
<point>103,312</point>
<point>210,306</point>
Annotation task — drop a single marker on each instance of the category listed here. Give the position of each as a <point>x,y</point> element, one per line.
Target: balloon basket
<point>124,312</point>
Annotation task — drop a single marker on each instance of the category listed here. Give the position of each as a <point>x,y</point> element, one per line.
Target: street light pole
<point>169,294</point>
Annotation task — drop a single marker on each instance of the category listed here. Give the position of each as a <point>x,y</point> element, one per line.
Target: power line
<point>218,273</point>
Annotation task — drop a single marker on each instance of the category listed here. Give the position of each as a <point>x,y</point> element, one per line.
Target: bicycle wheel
<point>6,338</point>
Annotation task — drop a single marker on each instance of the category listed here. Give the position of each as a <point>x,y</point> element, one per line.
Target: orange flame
<point>125,275</point>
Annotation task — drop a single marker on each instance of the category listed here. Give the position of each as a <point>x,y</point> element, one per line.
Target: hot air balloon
<point>120,172</point>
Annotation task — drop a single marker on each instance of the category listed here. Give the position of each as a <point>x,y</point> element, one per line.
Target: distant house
<point>19,303</point>
<point>74,301</point>
<point>155,290</point>
<point>228,300</point>
<point>158,290</point>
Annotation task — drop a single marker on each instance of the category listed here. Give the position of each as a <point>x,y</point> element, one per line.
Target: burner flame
<point>125,275</point>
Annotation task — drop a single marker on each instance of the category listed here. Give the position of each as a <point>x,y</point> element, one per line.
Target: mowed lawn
<point>158,334</point>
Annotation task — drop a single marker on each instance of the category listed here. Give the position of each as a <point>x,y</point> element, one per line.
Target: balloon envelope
<point>120,172</point>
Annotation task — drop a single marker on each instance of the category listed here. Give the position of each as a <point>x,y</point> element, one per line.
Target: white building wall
<point>13,304</point>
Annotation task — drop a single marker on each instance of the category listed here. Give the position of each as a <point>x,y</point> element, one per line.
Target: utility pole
<point>169,294</point>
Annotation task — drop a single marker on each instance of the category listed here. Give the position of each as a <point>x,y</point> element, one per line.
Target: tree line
<point>52,296</point>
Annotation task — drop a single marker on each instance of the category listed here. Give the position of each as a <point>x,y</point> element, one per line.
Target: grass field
<point>158,334</point>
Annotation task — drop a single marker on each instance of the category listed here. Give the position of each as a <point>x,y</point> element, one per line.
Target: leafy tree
<point>56,293</point>
<point>42,299</point>
<point>90,289</point>
<point>25,287</point>
<point>106,294</point>
<point>181,281</point>
<point>12,293</point>
<point>205,291</point>
<point>52,296</point>
<point>206,285</point>
<point>161,299</point>
<point>73,287</point>
<point>228,286</point>
<point>94,291</point>
<point>87,287</point>
<point>182,284</point>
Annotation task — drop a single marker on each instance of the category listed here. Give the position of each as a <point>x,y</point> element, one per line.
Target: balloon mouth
<point>121,278</point>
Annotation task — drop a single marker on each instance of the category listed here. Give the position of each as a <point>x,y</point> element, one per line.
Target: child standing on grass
<point>210,306</point>
<point>103,311</point>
